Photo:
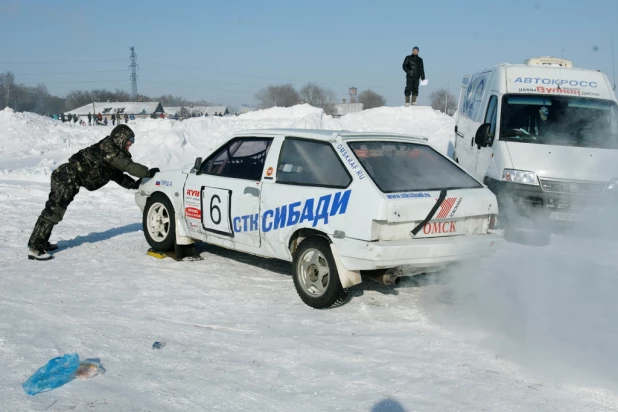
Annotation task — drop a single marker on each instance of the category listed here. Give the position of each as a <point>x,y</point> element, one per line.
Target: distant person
<point>62,117</point>
<point>113,119</point>
<point>126,118</point>
<point>100,117</point>
<point>89,119</point>
<point>415,71</point>
<point>92,168</point>
<point>216,114</point>
<point>74,118</point>
<point>105,121</point>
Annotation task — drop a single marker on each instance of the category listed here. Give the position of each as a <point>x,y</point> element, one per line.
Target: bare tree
<point>442,100</point>
<point>7,87</point>
<point>318,96</point>
<point>184,112</point>
<point>284,95</point>
<point>371,99</point>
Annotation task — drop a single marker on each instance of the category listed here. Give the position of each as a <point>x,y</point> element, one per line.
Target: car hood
<point>565,162</point>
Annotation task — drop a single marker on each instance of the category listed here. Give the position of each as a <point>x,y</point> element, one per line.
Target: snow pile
<point>32,146</point>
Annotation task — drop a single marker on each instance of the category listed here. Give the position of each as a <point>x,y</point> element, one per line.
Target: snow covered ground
<point>529,329</point>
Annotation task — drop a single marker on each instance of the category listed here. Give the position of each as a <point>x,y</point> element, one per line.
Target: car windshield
<point>560,120</point>
<point>407,167</point>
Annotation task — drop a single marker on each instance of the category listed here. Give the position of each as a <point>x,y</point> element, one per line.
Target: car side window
<point>239,159</point>
<point>491,116</point>
<point>311,163</point>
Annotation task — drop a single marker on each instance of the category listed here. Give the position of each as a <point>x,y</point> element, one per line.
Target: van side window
<point>491,116</point>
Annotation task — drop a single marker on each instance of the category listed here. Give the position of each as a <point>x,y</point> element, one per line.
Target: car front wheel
<point>315,274</point>
<point>159,223</point>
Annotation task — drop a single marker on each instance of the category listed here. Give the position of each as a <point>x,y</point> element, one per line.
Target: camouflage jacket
<point>106,160</point>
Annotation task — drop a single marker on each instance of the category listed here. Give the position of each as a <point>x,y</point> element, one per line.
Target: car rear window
<point>406,167</point>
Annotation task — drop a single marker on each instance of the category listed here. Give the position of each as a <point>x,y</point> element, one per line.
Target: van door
<point>463,152</point>
<point>484,154</point>
<point>471,113</point>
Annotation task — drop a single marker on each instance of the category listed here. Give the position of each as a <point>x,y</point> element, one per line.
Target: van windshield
<point>560,120</point>
<point>408,167</point>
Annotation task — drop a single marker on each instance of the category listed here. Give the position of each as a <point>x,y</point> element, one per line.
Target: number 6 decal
<point>216,207</point>
<point>216,220</point>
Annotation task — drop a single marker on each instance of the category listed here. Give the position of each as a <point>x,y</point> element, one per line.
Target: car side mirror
<point>197,165</point>
<point>483,138</point>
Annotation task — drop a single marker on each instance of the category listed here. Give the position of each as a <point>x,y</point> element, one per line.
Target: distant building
<point>137,109</point>
<point>211,110</point>
<point>189,111</point>
<point>346,108</point>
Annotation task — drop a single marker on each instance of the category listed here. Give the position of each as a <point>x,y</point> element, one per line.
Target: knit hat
<point>415,48</point>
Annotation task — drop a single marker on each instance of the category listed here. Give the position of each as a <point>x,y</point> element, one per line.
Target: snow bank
<point>32,146</point>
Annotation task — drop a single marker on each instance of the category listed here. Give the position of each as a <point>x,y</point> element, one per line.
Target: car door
<point>310,187</point>
<point>222,199</point>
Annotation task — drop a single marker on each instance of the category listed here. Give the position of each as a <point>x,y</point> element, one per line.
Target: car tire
<point>316,278</point>
<point>159,223</point>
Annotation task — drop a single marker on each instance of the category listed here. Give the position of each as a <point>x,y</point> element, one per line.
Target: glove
<point>135,185</point>
<point>153,172</point>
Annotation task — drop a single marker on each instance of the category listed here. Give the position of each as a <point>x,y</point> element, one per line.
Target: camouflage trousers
<point>64,187</point>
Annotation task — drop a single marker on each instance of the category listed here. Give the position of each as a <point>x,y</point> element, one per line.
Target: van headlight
<point>613,184</point>
<point>520,176</point>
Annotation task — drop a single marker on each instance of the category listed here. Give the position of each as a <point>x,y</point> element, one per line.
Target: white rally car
<point>333,203</point>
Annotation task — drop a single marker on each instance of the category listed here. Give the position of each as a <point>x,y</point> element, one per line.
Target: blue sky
<point>224,51</point>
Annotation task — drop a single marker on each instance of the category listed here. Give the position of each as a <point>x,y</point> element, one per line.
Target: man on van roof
<point>415,70</point>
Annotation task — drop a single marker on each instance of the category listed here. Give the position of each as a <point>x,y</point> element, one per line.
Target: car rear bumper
<point>421,253</point>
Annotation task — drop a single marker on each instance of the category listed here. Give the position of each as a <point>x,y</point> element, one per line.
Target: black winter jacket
<point>106,160</point>
<point>413,66</point>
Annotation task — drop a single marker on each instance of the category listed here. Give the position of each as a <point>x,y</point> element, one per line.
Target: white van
<point>543,136</point>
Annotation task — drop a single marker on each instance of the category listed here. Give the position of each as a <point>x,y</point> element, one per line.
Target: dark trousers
<point>412,86</point>
<point>64,187</point>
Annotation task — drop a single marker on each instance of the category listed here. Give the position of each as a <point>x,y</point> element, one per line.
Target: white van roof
<point>547,76</point>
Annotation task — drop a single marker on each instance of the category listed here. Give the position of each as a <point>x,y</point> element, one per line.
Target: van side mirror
<point>197,165</point>
<point>482,137</point>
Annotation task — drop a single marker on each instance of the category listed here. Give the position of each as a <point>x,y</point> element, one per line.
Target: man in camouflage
<point>91,168</point>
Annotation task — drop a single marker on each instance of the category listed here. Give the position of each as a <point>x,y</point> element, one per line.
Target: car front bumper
<point>420,253</point>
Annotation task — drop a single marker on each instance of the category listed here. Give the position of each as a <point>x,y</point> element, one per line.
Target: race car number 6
<point>216,210</point>
<point>216,221</point>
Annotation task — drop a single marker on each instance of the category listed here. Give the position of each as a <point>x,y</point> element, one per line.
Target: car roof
<point>328,135</point>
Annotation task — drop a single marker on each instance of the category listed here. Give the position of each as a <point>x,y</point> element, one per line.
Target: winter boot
<point>51,246</point>
<point>40,254</point>
<point>413,100</point>
<point>407,101</point>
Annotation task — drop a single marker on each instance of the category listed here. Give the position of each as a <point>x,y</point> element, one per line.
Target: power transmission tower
<point>133,66</point>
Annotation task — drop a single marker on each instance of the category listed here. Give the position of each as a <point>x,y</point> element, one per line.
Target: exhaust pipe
<point>386,278</point>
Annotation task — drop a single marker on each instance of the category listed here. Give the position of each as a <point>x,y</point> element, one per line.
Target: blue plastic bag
<point>56,373</point>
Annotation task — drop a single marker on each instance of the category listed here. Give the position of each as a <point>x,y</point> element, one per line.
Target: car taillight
<point>493,222</point>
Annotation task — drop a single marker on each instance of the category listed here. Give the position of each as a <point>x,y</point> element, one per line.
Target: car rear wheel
<point>159,223</point>
<point>316,278</point>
